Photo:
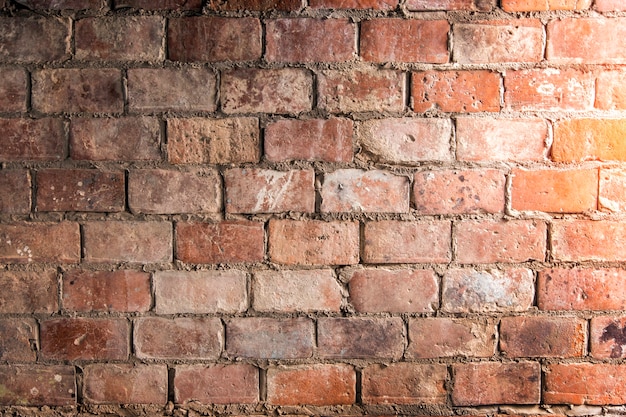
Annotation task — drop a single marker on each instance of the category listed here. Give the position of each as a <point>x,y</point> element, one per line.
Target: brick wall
<point>312,207</point>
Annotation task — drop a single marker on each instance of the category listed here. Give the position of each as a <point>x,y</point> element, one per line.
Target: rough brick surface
<point>609,5</point>
<point>354,4</point>
<point>64,4</point>
<point>610,90</point>
<point>541,5</point>
<point>579,240</point>
<point>607,337</point>
<point>448,337</point>
<point>18,340</point>
<point>256,5</point>
<point>217,384</point>
<point>589,139</point>
<point>160,4</point>
<point>28,385</point>
<point>15,192</point>
<point>125,384</point>
<point>34,39</point>
<point>478,5</point>
<point>405,383</point>
<point>13,90</point>
<point>32,139</point>
<point>24,242</point>
<point>585,383</point>
<point>28,292</point>
<point>610,196</point>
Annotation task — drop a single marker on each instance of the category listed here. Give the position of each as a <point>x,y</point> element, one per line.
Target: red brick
<point>549,89</point>
<point>607,337</point>
<point>80,190</point>
<point>12,90</point>
<point>178,338</point>
<point>160,4</point>
<point>455,91</point>
<point>211,39</point>
<point>32,139</point>
<point>496,383</point>
<point>570,191</point>
<point>473,291</point>
<point>311,140</point>
<point>125,384</point>
<point>34,39</point>
<point>15,191</point>
<point>354,4</point>
<point>321,384</point>
<point>44,385</point>
<point>160,191</point>
<point>459,192</point>
<point>217,384</point>
<point>354,190</point>
<point>406,140</point>
<point>254,190</point>
<point>391,241</point>
<point>405,383</point>
<point>610,90</point>
<point>296,291</point>
<point>489,241</point>
<point>18,340</point>
<point>313,242</point>
<point>360,338</point>
<point>374,290</point>
<point>544,5</point>
<point>585,383</point>
<point>577,40</point>
<point>255,5</point>
<point>401,40</point>
<point>611,190</point>
<point>580,240</point>
<point>135,241</point>
<point>610,5</point>
<point>200,292</point>
<point>40,242</point>
<point>498,41</point>
<point>171,89</point>
<point>71,339</point>
<point>442,337</point>
<point>285,91</point>
<point>215,243</point>
<point>501,139</point>
<point>213,141</point>
<point>65,4</point>
<point>552,337</point>
<point>589,139</point>
<point>310,40</point>
<point>473,5</point>
<point>269,338</point>
<point>125,291</point>
<point>29,292</point>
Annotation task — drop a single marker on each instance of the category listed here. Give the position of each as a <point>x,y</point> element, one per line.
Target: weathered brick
<point>455,91</point>
<point>501,139</point>
<point>610,90</point>
<point>473,5</point>
<point>92,90</point>
<point>442,337</point>
<point>354,4</point>
<point>171,89</point>
<point>80,190</point>
<point>577,40</point>
<point>214,243</point>
<point>406,140</point>
<point>390,241</point>
<point>581,289</point>
<point>136,38</point>
<point>211,39</point>
<point>310,40</point>
<point>32,139</point>
<point>119,139</point>
<point>125,384</point>
<point>28,292</point>
<point>15,191</point>
<point>255,190</point>
<point>213,141</point>
<point>496,383</point>
<point>544,5</point>
<point>361,91</point>
<point>160,191</point>
<point>40,242</point>
<point>374,290</point>
<point>589,139</point>
<point>125,291</point>
<point>135,241</point>
<point>18,338</point>
<point>498,41</point>
<point>360,338</point>
<point>65,4</point>
<point>269,338</point>
<point>569,191</point>
<point>12,90</point>
<point>44,385</point>
<point>473,291</point>
<point>549,89</point>
<point>178,338</point>
<point>609,5</point>
<point>34,39</point>
<point>579,240</point>
<point>217,384</point>
<point>537,336</point>
<point>71,339</point>
<point>459,192</point>
<point>312,140</point>
<point>404,40</point>
<point>607,336</point>
<point>255,5</point>
<point>296,291</point>
<point>313,242</point>
<point>321,384</point>
<point>488,241</point>
<point>160,4</point>
<point>200,292</point>
<point>585,383</point>
<point>611,195</point>
<point>405,383</point>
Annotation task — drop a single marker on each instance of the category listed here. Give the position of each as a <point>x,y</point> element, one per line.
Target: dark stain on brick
<point>614,332</point>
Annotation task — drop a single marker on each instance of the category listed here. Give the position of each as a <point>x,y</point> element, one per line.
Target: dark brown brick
<point>12,90</point>
<point>554,337</point>
<point>18,340</point>
<point>608,337</point>
<point>160,4</point>
<point>44,385</point>
<point>40,242</point>
<point>217,384</point>
<point>15,191</point>
<point>34,39</point>
<point>256,5</point>
<point>125,384</point>
<point>32,139</point>
<point>65,4</point>
<point>28,292</point>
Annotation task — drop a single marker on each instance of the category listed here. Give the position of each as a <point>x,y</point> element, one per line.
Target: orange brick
<point>611,90</point>
<point>442,337</point>
<point>544,5</point>
<point>585,383</point>
<point>578,240</point>
<point>577,40</point>
<point>589,139</point>
<point>611,194</point>
<point>610,5</point>
<point>405,383</point>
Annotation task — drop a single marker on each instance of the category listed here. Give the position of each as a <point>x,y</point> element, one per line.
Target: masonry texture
<point>312,207</point>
